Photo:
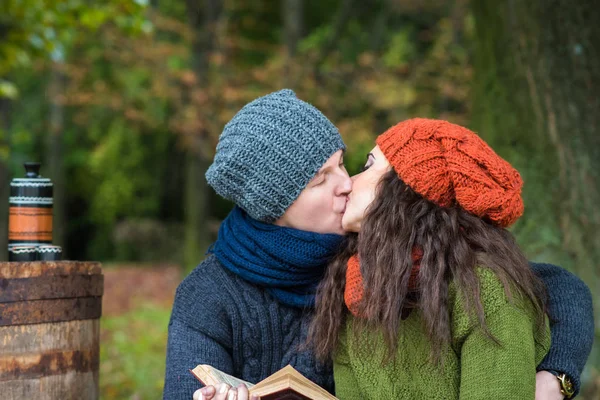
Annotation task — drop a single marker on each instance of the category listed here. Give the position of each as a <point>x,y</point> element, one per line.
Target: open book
<point>285,384</point>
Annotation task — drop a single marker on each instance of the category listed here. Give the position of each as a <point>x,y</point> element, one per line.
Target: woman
<point>432,298</point>
<point>245,309</point>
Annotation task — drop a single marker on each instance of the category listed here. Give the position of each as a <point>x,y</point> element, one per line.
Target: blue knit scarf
<point>288,262</point>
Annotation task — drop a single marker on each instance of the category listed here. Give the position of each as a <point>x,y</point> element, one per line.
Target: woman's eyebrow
<point>370,154</point>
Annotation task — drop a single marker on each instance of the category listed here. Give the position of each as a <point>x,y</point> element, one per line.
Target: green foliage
<point>132,354</point>
<point>124,167</point>
<point>114,163</point>
<point>40,29</point>
<point>316,39</point>
<point>401,49</point>
<point>8,90</point>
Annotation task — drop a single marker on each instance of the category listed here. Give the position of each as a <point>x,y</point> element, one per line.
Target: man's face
<point>321,205</point>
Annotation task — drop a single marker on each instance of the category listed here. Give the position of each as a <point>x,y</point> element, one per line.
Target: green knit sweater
<point>474,366</point>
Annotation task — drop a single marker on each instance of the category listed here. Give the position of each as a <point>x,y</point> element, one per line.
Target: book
<point>285,384</point>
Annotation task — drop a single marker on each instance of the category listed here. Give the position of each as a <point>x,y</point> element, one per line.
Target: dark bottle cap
<point>22,253</point>
<point>49,253</point>
<point>32,169</point>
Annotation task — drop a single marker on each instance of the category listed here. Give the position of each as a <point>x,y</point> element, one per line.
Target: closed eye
<point>369,163</point>
<point>319,179</point>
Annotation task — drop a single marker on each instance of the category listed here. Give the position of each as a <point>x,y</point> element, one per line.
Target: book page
<point>287,383</point>
<point>283,383</point>
<point>212,376</point>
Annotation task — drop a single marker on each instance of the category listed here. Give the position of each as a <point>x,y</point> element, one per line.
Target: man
<point>245,308</point>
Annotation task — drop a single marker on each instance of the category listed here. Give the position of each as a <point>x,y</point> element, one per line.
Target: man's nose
<point>345,186</point>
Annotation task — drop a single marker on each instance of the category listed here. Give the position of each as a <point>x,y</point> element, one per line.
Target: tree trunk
<point>293,15</point>
<point>4,176</point>
<point>197,235</point>
<point>340,20</point>
<point>537,76</point>
<point>54,153</point>
<point>380,26</point>
<point>536,100</point>
<point>196,210</point>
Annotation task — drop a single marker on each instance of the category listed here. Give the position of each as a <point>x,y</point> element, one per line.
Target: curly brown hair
<point>453,241</point>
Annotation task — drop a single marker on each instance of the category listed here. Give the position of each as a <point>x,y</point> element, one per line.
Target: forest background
<point>123,102</point>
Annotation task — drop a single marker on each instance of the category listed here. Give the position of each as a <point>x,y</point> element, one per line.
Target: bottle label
<point>29,224</point>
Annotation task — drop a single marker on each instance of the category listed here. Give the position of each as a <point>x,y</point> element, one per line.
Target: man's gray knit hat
<point>270,151</point>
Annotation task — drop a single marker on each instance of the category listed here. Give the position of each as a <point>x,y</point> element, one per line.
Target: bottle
<point>30,210</point>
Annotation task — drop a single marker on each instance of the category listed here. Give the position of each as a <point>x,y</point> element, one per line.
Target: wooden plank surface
<point>10,270</point>
<point>42,364</point>
<point>50,330</point>
<point>50,287</point>
<point>55,310</point>
<point>70,386</point>
<point>68,335</point>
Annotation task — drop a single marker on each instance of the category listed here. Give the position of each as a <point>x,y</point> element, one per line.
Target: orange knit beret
<point>449,164</point>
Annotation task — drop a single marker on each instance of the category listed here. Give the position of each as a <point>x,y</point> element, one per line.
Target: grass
<point>132,354</point>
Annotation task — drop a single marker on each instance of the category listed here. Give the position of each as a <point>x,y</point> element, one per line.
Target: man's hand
<point>547,387</point>
<point>223,392</point>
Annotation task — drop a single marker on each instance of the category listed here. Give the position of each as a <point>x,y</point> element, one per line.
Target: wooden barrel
<point>50,330</point>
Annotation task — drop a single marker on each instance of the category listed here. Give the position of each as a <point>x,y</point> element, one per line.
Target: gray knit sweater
<point>237,327</point>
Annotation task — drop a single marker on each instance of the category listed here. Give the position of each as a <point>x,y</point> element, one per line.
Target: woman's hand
<point>547,387</point>
<point>223,392</point>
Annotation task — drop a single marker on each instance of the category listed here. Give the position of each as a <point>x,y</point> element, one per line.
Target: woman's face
<point>364,186</point>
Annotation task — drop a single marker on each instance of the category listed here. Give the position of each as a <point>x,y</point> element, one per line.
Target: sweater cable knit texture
<point>474,367</point>
<point>571,320</point>
<point>238,327</point>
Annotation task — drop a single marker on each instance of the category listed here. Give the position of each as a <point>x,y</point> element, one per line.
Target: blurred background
<point>123,102</point>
